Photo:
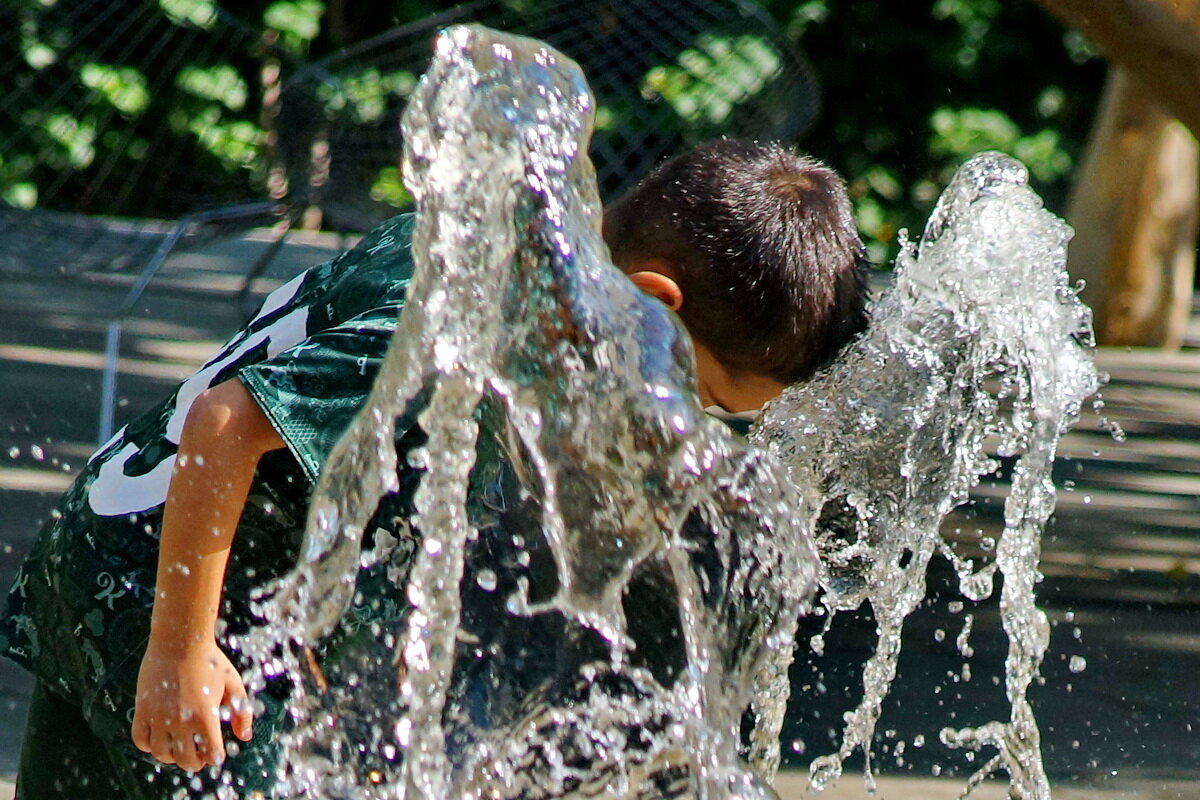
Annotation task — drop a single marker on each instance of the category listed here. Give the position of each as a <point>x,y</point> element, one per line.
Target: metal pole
<point>112,339</point>
<point>108,381</point>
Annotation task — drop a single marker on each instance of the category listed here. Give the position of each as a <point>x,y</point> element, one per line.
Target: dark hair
<point>764,249</point>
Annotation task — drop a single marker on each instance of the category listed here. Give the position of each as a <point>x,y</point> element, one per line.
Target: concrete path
<point>793,786</point>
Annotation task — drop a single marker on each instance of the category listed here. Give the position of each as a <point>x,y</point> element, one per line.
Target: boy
<point>203,498</point>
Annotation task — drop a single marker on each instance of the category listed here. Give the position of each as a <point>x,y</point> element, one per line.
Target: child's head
<point>762,247</point>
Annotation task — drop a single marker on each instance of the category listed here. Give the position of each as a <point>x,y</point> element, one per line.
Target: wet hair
<point>763,246</point>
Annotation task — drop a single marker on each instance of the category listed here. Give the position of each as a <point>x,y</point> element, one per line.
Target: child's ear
<point>659,286</point>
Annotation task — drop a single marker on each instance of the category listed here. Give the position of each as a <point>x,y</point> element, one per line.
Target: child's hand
<point>180,693</point>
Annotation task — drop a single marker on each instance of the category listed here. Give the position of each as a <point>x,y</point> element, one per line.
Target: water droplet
<point>486,580</point>
<point>1077,664</point>
<point>13,452</point>
<point>37,452</point>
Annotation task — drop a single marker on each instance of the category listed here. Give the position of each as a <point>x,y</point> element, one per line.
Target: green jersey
<point>78,612</point>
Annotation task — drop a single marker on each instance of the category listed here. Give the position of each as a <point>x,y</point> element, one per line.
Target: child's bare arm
<point>185,678</point>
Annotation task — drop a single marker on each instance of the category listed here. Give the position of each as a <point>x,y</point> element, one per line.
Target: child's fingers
<point>160,745</point>
<point>241,719</point>
<point>210,748</point>
<point>140,734</point>
<point>183,746</point>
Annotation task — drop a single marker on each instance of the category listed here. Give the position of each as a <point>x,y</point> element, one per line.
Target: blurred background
<point>165,162</point>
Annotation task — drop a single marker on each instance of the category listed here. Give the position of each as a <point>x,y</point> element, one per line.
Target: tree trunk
<point>1156,40</point>
<point>1135,212</point>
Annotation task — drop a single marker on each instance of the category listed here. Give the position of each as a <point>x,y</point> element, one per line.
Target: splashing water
<point>980,341</point>
<point>516,323</point>
<point>522,345</point>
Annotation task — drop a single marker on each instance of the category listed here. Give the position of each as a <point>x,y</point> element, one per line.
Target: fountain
<point>520,331</point>
<point>549,393</point>
<point>980,341</point>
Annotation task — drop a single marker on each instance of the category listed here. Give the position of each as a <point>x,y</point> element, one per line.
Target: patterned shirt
<point>78,612</point>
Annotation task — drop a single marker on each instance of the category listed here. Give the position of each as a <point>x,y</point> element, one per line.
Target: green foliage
<point>37,54</point>
<point>959,134</point>
<point>201,13</point>
<point>235,144</point>
<point>123,87</point>
<point>368,91</point>
<point>708,80</point>
<point>389,188</point>
<point>220,83</point>
<point>974,19</point>
<point>910,90</point>
<point>913,89</point>
<point>805,14</point>
<point>297,21</point>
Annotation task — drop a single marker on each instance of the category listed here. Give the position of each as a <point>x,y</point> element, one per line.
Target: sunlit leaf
<point>76,137</point>
<point>201,13</point>
<point>299,21</point>
<point>604,118</point>
<point>37,54</point>
<point>964,132</point>
<point>123,87</point>
<point>805,14</point>
<point>370,89</point>
<point>221,83</point>
<point>21,195</point>
<point>388,188</point>
<point>708,81</point>
<point>236,144</point>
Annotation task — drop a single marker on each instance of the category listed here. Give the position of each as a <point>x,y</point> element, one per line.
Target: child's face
<point>733,390</point>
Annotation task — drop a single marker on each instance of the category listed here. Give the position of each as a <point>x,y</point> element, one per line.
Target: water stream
<point>529,359</point>
<point>980,346</point>
<point>517,325</point>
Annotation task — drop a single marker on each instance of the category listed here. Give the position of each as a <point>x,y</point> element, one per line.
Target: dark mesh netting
<point>665,75</point>
<point>130,128</point>
<point>118,119</point>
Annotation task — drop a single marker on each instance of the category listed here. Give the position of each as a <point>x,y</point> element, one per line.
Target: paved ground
<point>793,786</point>
<point>1122,559</point>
